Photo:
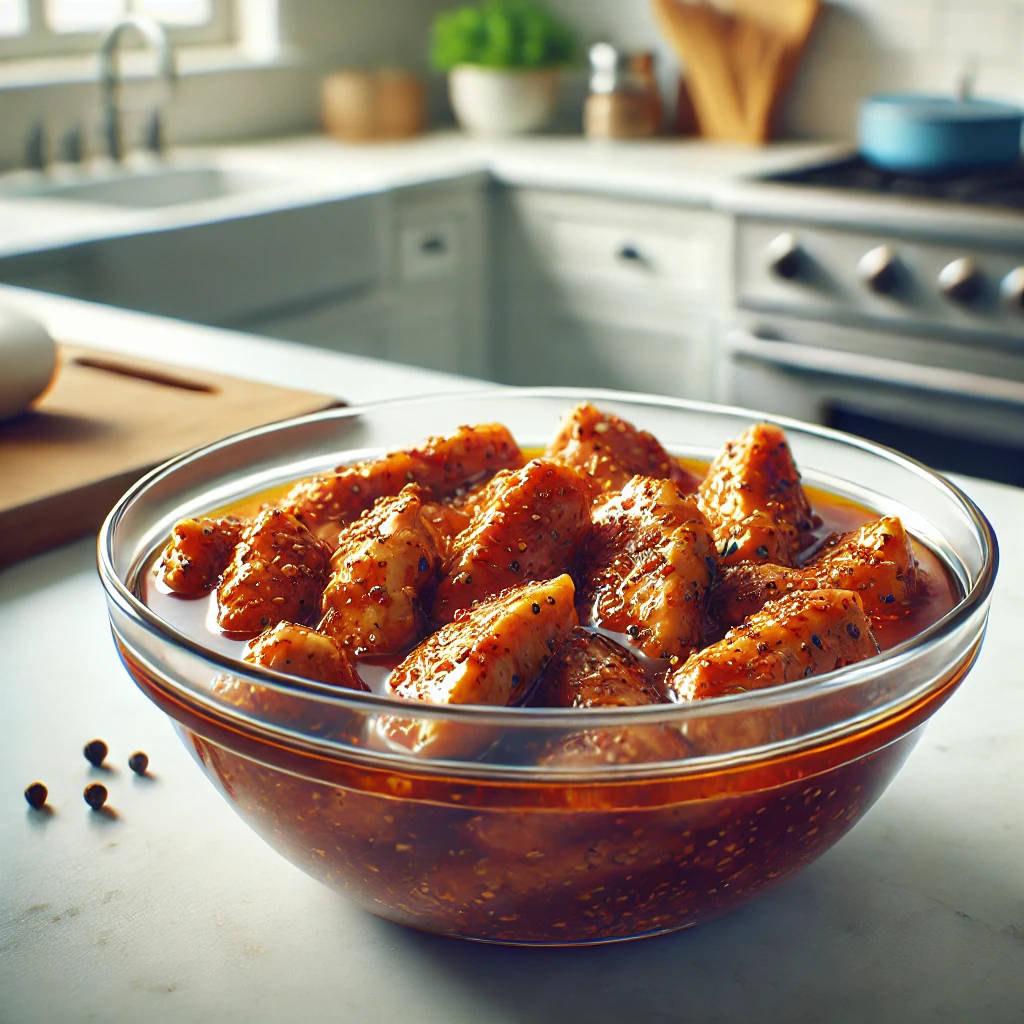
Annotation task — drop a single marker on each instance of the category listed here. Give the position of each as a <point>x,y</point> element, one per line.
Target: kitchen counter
<point>309,169</point>
<point>172,909</point>
<point>314,169</point>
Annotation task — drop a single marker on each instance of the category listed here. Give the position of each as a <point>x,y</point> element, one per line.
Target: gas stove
<point>889,306</point>
<point>991,188</point>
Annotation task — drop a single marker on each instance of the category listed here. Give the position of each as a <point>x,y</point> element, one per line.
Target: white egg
<point>28,359</point>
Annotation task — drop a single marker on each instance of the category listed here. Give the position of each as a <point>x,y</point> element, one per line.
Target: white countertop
<point>316,168</point>
<point>311,169</point>
<point>175,911</point>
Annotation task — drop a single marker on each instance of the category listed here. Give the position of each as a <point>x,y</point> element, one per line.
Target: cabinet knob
<point>785,256</point>
<point>879,269</point>
<point>1012,290</point>
<point>961,281</point>
<point>434,244</point>
<point>631,254</point>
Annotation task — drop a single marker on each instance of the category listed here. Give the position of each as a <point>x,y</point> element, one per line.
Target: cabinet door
<point>431,336</point>
<point>553,349</point>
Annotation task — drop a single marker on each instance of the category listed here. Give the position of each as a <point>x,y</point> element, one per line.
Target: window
<point>43,28</point>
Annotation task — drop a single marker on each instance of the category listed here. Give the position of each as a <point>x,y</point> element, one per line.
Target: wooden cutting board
<point>106,421</point>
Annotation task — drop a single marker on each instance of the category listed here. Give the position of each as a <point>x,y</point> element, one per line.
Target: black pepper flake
<point>853,631</point>
<point>536,608</point>
<point>95,795</point>
<point>550,599</point>
<point>888,598</point>
<point>95,751</point>
<point>816,640</point>
<point>514,566</point>
<point>36,795</point>
<point>139,762</point>
<point>633,631</point>
<point>424,563</point>
<point>762,551</point>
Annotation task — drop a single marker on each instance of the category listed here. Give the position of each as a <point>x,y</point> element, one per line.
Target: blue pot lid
<point>916,107</point>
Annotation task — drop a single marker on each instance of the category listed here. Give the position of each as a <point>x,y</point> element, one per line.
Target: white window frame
<point>42,41</point>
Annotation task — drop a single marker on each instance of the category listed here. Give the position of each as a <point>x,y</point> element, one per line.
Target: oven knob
<point>879,269</point>
<point>961,281</point>
<point>785,256</point>
<point>1013,290</point>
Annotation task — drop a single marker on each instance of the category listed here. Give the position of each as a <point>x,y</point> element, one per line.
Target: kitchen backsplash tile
<point>982,30</point>
<point>859,47</point>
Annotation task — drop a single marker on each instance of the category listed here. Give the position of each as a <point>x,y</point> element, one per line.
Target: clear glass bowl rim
<point>506,717</point>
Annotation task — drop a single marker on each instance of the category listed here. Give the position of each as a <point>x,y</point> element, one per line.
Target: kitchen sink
<point>164,186</point>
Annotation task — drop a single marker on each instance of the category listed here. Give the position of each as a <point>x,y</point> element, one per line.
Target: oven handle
<point>789,357</point>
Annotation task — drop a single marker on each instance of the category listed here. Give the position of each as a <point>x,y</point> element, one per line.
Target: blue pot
<point>935,135</point>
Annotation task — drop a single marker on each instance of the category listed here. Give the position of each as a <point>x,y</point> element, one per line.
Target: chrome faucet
<point>110,80</point>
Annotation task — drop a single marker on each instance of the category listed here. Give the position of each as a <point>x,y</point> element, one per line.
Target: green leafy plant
<point>501,34</point>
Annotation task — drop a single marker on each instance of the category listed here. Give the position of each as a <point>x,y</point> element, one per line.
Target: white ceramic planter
<point>497,101</point>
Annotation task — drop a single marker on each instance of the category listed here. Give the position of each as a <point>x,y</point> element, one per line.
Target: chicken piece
<point>802,634</point>
<point>529,530</point>
<point>493,653</point>
<point>297,651</point>
<point>198,554</point>
<point>646,566</point>
<point>277,574</point>
<point>444,522</point>
<point>754,501</point>
<point>588,670</point>
<point>612,451</point>
<point>383,561</point>
<point>877,561</point>
<point>443,465</point>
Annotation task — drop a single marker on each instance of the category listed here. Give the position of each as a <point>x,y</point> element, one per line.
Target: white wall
<point>860,46</point>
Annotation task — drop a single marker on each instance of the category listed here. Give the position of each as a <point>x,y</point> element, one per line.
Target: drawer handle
<point>434,244</point>
<point>631,254</point>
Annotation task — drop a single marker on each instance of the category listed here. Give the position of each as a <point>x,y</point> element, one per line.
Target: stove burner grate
<point>1003,187</point>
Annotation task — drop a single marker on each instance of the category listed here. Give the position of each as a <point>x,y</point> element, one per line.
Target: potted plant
<point>503,59</point>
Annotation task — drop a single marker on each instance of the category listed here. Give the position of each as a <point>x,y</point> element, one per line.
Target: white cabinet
<point>608,293</point>
<point>437,291</point>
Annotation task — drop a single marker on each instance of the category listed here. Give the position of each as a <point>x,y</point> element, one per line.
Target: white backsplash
<point>859,47</point>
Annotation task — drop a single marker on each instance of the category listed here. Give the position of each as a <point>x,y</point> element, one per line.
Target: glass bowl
<point>669,815</point>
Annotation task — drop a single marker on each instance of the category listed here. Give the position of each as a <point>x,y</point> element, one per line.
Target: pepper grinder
<point>624,102</point>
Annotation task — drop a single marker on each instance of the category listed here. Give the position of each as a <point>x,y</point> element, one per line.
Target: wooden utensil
<point>106,421</point>
<point>738,64</point>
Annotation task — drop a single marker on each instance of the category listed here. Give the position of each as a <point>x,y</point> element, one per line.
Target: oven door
<point>951,419</point>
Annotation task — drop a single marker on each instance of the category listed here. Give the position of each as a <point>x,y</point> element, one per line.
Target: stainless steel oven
<point>899,360</point>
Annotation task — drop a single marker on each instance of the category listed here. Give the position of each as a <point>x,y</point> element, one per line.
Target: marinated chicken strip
<point>613,451</point>
<point>877,561</point>
<point>198,554</point>
<point>292,650</point>
<point>802,634</point>
<point>588,670</point>
<point>444,465</point>
<point>646,566</point>
<point>494,652</point>
<point>444,522</point>
<point>530,529</point>
<point>277,574</point>
<point>754,501</point>
<point>297,651</point>
<point>383,561</point>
